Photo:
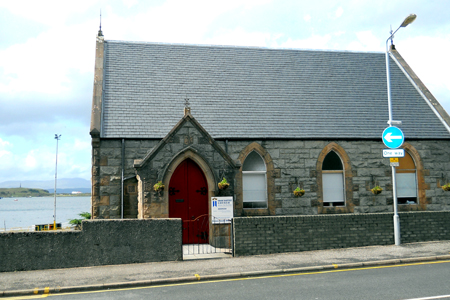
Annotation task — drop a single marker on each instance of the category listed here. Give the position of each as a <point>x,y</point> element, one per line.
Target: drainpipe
<point>121,186</point>
<point>226,146</point>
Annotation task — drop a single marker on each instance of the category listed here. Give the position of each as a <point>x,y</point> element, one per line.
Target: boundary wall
<point>100,242</point>
<point>278,234</point>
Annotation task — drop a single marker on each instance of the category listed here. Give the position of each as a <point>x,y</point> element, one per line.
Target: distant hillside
<point>23,192</point>
<point>73,184</point>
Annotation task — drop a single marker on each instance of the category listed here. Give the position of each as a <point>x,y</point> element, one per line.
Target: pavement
<point>214,267</point>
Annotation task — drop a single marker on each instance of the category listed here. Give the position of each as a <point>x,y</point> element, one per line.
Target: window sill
<point>255,211</point>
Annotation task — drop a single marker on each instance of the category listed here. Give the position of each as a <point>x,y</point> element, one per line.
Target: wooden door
<point>188,200</point>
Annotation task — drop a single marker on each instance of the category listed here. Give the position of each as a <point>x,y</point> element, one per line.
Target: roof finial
<point>187,109</point>
<point>392,40</point>
<point>100,33</point>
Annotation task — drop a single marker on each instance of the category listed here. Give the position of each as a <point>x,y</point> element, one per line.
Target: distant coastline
<point>30,193</point>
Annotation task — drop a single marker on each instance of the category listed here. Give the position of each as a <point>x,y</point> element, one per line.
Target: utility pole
<point>56,176</point>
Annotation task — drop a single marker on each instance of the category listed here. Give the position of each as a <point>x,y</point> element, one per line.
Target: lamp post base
<point>397,230</point>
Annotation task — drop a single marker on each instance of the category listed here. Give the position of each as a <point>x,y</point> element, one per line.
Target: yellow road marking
<point>28,297</point>
<point>234,279</point>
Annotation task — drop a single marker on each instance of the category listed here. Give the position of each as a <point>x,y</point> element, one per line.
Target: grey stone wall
<point>297,160</point>
<point>100,242</point>
<point>266,235</point>
<point>110,172</point>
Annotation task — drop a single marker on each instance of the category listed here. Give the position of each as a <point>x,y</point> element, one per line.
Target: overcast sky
<point>47,53</point>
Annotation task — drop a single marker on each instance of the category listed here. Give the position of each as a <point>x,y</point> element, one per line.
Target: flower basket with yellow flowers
<point>223,185</point>
<point>298,192</point>
<point>158,187</point>
<point>376,190</point>
<point>446,187</point>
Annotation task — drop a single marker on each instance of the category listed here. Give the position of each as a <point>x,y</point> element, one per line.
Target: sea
<point>17,214</point>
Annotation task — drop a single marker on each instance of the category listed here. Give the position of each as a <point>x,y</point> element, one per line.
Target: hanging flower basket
<point>158,187</point>
<point>446,187</point>
<point>298,192</point>
<point>376,190</point>
<point>223,185</point>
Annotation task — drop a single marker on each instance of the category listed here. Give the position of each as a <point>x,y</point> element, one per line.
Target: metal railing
<point>204,237</point>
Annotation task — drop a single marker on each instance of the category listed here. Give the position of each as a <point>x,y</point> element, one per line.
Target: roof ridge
<point>242,47</point>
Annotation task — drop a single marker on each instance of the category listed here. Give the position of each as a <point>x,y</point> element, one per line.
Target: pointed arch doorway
<point>188,200</point>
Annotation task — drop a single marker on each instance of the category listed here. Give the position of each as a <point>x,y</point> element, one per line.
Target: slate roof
<point>245,92</point>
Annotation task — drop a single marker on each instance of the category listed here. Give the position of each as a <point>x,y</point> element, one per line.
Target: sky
<point>47,51</point>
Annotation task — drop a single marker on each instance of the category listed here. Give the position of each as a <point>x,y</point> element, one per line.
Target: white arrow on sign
<point>389,137</point>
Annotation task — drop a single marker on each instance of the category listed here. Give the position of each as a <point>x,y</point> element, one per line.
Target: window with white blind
<point>333,180</point>
<point>406,180</point>
<point>254,181</point>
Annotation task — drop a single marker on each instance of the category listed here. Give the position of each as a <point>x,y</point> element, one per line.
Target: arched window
<point>254,181</point>
<point>333,180</point>
<point>406,180</point>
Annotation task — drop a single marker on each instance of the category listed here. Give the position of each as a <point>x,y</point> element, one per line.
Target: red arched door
<point>188,200</point>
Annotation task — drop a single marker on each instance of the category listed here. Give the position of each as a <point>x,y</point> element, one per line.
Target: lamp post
<point>56,172</point>
<point>408,20</point>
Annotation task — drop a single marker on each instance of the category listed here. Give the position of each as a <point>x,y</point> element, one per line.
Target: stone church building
<point>269,121</point>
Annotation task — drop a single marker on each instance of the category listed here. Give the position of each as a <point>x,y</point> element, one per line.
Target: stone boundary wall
<point>278,234</point>
<point>100,242</point>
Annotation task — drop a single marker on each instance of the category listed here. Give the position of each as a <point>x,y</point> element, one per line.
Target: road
<point>429,280</point>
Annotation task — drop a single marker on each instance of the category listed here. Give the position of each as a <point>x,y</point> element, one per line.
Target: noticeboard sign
<point>221,210</point>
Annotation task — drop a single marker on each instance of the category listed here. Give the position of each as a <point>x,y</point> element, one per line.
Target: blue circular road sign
<point>393,137</point>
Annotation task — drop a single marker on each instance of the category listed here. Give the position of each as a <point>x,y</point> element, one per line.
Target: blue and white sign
<point>221,210</point>
<point>393,137</point>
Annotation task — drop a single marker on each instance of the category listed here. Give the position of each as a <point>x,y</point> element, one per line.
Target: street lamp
<point>56,172</point>
<point>408,20</point>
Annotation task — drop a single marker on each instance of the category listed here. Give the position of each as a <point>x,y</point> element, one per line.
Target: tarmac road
<point>113,276</point>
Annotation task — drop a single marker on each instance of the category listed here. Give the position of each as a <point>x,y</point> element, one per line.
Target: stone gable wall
<point>187,141</point>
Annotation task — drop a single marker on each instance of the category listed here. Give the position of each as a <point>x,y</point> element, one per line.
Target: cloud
<point>313,42</point>
<point>367,41</point>
<point>40,162</point>
<point>425,53</point>
<point>4,153</point>
<point>174,21</point>
<point>339,12</point>
<point>4,144</point>
<point>50,12</point>
<point>44,64</point>
<point>239,36</point>
<point>130,3</point>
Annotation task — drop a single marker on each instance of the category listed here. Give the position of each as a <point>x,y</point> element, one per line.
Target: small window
<point>406,180</point>
<point>254,181</point>
<point>333,180</point>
